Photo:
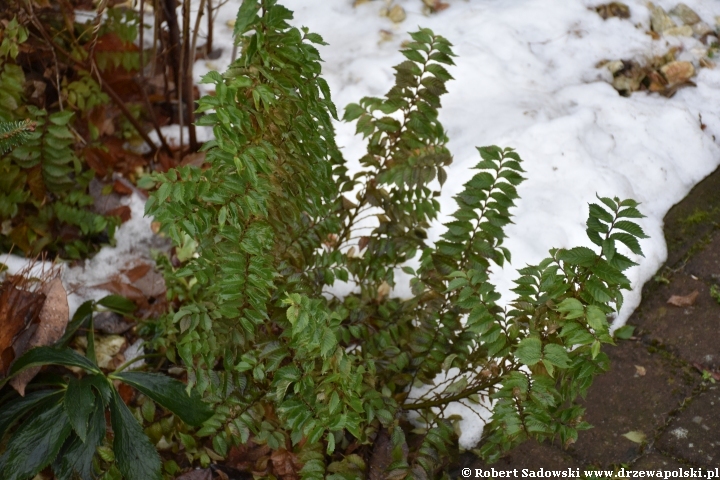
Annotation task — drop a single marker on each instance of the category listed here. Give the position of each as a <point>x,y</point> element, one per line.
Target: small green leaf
<point>557,355</point>
<point>529,351</point>
<point>245,17</point>
<point>596,318</point>
<point>572,307</point>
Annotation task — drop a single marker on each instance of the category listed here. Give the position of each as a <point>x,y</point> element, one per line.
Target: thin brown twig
<point>80,64</point>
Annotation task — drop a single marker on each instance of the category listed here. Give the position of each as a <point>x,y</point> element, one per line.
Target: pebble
<point>677,72</point>
<point>659,19</point>
<point>686,14</point>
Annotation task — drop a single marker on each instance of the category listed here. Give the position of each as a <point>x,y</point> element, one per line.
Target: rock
<point>397,14</point>
<point>686,14</point>
<point>681,31</point>
<point>701,28</point>
<point>659,19</point>
<point>622,83</point>
<point>677,72</point>
<point>613,9</point>
<point>615,66</point>
<point>111,323</point>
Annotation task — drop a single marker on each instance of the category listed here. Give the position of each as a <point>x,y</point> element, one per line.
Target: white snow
<point>526,78</point>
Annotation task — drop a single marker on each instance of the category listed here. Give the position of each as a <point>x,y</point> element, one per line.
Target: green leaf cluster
<point>277,220</point>
<point>62,422</point>
<point>44,200</point>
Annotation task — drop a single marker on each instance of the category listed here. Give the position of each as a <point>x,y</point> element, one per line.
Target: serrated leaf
<point>35,444</point>
<point>76,457</point>
<point>245,17</point>
<point>79,402</point>
<point>571,307</point>
<point>136,457</point>
<point>582,256</point>
<point>557,355</point>
<point>413,55</point>
<point>596,318</point>
<point>15,409</point>
<point>529,351</point>
<point>169,393</point>
<point>630,227</point>
<point>328,342</point>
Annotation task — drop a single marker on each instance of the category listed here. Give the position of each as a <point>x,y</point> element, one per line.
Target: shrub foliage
<point>278,221</point>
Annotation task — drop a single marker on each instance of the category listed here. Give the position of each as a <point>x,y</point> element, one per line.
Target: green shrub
<point>290,363</point>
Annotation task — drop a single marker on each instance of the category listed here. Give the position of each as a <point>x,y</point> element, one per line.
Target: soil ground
<point>655,384</point>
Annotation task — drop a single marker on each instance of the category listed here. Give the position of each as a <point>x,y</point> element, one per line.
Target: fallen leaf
<point>285,464</point>
<point>18,309</point>
<point>118,287</point>
<point>123,211</point>
<point>640,370</point>
<point>201,474</point>
<point>52,320</point>
<point>635,436</point>
<point>137,272</point>
<point>683,301</point>
<point>121,187</point>
<point>677,72</point>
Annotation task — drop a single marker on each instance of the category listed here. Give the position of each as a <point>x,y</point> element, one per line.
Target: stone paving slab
<point>685,331</point>
<point>656,461</point>
<point>706,263</point>
<point>531,455</point>
<point>637,394</point>
<point>694,434</point>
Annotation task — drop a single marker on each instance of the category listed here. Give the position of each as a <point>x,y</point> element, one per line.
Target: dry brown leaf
<point>18,309</point>
<point>53,319</point>
<point>202,474</point>
<point>123,211</point>
<point>285,464</point>
<point>122,188</point>
<point>137,272</point>
<point>118,287</point>
<point>193,159</point>
<point>683,301</point>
